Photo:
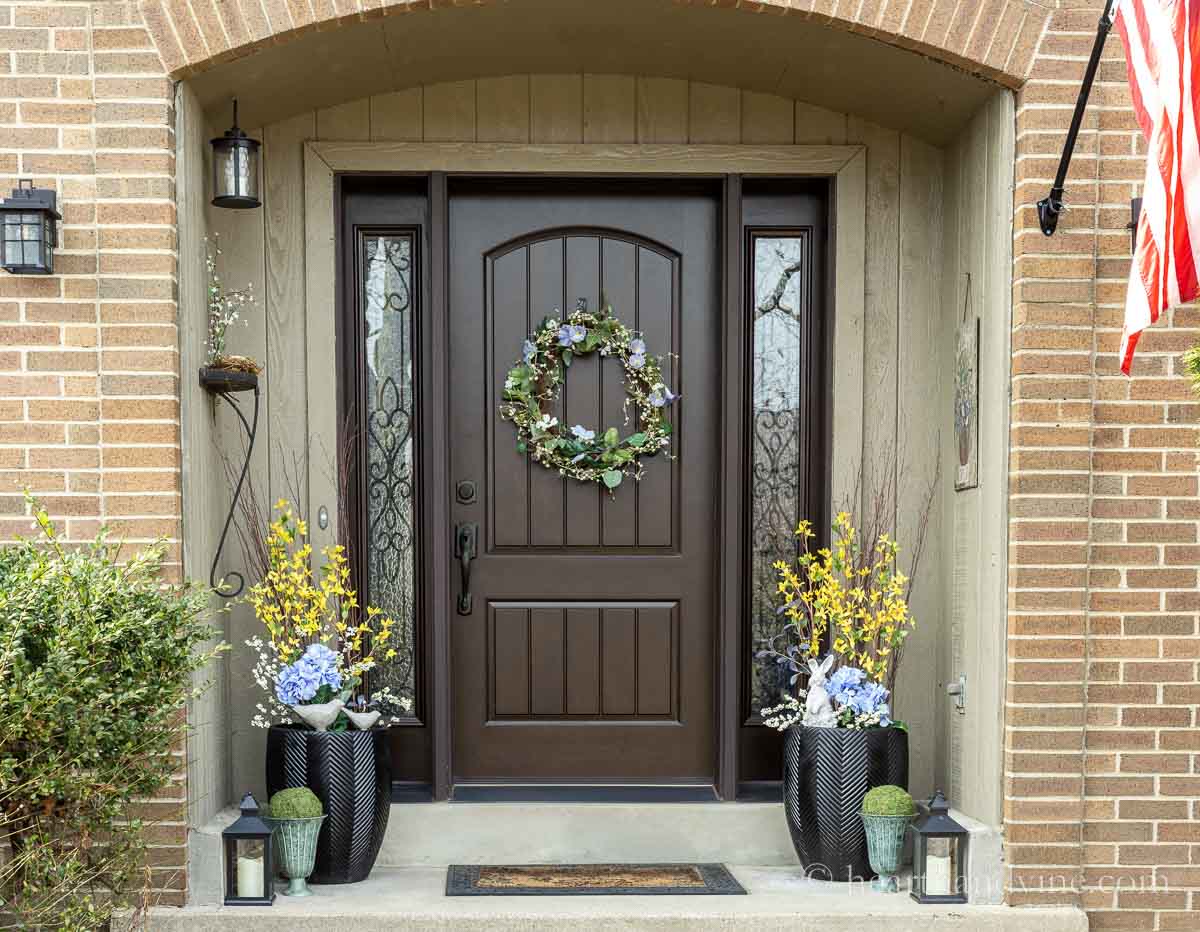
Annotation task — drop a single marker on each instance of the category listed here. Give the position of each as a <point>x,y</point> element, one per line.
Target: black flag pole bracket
<point>1051,206</point>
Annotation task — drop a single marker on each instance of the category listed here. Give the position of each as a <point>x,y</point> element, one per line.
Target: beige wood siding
<point>978,243</point>
<point>900,368</point>
<point>204,498</point>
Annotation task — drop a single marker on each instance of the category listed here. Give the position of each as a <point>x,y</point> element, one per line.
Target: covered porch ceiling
<point>769,53</point>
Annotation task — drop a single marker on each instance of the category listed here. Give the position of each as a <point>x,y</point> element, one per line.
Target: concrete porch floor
<point>413,898</point>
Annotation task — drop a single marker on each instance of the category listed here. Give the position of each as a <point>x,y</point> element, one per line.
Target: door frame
<point>844,166</point>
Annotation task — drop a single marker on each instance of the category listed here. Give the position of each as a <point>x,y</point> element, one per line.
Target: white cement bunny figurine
<point>818,709</point>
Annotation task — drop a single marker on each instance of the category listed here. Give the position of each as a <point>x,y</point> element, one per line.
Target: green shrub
<point>96,660</point>
<point>299,802</point>
<point>888,801</point>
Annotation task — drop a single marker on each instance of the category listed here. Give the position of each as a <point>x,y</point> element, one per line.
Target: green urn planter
<point>886,814</point>
<point>885,845</point>
<point>295,819</point>
<point>296,851</point>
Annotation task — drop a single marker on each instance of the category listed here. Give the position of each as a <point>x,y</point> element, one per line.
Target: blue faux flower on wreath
<point>532,385</point>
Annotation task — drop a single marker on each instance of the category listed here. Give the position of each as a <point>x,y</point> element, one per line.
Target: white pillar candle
<point>250,877</point>
<point>937,875</point>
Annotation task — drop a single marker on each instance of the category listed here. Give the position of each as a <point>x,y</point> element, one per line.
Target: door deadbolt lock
<point>464,492</point>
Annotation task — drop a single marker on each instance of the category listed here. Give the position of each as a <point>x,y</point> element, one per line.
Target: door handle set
<point>466,549</point>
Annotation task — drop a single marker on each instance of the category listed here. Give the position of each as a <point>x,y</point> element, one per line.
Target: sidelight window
<point>780,297</point>
<point>389,471</point>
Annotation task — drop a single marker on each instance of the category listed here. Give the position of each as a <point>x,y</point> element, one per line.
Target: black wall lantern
<point>939,855</point>
<point>30,223</point>
<point>249,860</point>
<point>235,168</point>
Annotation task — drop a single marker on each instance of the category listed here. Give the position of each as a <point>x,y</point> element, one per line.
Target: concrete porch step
<point>566,833</point>
<point>413,898</point>
<point>437,834</point>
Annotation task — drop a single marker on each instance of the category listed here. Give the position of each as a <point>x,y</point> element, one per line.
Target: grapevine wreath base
<point>532,385</point>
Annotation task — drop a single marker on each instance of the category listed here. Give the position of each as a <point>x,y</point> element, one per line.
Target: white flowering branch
<point>224,307</point>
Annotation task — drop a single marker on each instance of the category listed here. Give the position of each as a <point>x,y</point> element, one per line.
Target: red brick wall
<point>1103,769</point>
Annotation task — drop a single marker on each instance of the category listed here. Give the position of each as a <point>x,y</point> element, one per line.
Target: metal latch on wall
<point>959,692</point>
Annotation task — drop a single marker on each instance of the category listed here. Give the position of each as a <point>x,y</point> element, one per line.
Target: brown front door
<point>588,653</point>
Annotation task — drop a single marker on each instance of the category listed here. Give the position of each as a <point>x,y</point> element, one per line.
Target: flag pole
<point>1050,207</point>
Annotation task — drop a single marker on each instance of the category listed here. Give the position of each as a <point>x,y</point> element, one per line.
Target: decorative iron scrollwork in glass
<point>390,492</point>
<point>780,273</point>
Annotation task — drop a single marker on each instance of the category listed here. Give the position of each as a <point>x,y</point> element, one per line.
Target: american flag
<point>1162,49</point>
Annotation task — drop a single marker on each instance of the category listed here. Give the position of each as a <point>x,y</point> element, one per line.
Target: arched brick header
<point>995,39</point>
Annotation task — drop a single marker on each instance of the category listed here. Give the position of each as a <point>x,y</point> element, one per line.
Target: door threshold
<point>582,793</point>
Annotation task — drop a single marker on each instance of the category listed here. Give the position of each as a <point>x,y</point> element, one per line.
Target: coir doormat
<point>591,880</point>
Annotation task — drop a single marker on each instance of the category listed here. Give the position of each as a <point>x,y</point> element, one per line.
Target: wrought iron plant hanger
<point>225,383</point>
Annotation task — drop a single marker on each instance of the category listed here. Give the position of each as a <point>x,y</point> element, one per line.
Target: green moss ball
<point>296,803</point>
<point>885,801</point>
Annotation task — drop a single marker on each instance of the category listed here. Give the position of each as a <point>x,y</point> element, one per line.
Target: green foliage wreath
<point>532,385</point>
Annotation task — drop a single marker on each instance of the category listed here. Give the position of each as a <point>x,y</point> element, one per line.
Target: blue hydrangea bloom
<point>849,688</point>
<point>868,698</point>
<point>582,433</point>
<point>637,347</point>
<point>636,361</point>
<point>298,682</point>
<point>843,683</point>
<point>528,351</point>
<point>323,662</point>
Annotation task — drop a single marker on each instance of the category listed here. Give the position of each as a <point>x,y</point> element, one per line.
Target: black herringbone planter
<point>351,773</point>
<point>826,774</point>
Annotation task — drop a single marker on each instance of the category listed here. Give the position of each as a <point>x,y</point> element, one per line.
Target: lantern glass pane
<point>13,252</point>
<point>225,171</point>
<point>31,227</point>
<point>247,160</point>
<point>941,867</point>
<point>235,172</point>
<point>251,867</point>
<point>33,252</point>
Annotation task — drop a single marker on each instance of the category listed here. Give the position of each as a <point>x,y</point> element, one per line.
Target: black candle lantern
<point>235,168</point>
<point>939,855</point>
<point>249,861</point>
<point>30,230</point>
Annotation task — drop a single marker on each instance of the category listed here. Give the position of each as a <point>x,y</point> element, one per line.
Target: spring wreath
<point>532,385</point>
